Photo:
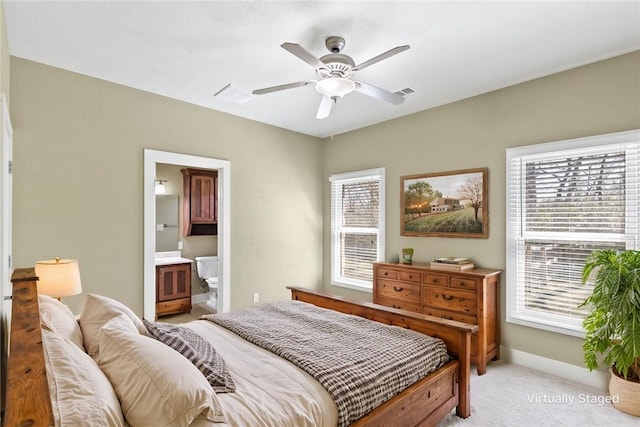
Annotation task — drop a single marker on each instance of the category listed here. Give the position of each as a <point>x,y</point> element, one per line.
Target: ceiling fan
<point>334,72</point>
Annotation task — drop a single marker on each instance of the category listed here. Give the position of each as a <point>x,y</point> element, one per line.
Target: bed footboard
<point>457,337</point>
<point>424,403</point>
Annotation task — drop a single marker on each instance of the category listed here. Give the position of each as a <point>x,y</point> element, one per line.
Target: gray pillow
<point>198,350</point>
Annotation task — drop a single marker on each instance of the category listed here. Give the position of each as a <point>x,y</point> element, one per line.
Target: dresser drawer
<point>448,299</point>
<point>399,291</point>
<point>402,305</point>
<point>410,276</point>
<point>436,279</point>
<point>463,283</point>
<point>450,315</point>
<point>387,273</point>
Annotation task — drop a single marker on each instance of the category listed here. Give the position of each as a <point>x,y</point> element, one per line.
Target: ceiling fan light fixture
<point>335,86</point>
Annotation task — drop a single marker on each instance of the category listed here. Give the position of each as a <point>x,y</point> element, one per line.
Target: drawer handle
<point>435,281</point>
<point>447,297</point>
<point>386,273</point>
<point>397,289</point>
<point>410,276</point>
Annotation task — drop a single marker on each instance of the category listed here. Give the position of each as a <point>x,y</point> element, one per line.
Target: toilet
<point>207,267</point>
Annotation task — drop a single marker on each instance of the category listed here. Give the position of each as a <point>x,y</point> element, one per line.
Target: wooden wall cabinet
<point>469,296</point>
<point>173,289</point>
<point>200,202</point>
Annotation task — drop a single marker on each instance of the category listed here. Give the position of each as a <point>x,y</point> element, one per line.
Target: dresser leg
<point>481,364</point>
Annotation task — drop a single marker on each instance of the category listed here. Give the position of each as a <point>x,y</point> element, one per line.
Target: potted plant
<point>613,327</point>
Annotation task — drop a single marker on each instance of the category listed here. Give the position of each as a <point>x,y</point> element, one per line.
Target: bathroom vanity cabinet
<point>173,289</point>
<point>200,203</point>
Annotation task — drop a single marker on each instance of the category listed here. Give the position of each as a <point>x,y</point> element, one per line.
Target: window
<point>564,200</point>
<point>357,227</point>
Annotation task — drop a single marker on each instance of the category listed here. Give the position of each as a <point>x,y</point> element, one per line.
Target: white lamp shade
<point>58,277</point>
<point>335,86</point>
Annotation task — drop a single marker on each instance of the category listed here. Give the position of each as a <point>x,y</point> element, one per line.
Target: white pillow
<point>156,385</point>
<point>80,393</point>
<point>97,311</point>
<point>58,318</point>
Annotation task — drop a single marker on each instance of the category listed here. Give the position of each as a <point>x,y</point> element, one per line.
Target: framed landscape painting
<point>445,204</point>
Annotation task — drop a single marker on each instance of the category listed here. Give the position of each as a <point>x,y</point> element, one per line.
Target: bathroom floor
<point>196,311</point>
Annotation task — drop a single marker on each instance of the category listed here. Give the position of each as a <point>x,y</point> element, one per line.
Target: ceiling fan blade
<point>376,92</point>
<point>282,87</point>
<point>303,54</point>
<point>325,108</point>
<point>387,54</point>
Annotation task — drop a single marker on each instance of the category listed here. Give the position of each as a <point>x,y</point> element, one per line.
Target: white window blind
<point>565,200</point>
<point>357,227</point>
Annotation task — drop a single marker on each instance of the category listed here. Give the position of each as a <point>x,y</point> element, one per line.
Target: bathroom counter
<point>168,258</point>
<point>173,260</point>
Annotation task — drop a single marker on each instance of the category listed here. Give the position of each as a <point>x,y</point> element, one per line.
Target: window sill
<point>524,320</point>
<point>367,289</point>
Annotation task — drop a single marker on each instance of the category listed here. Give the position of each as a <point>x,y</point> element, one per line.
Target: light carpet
<point>512,395</point>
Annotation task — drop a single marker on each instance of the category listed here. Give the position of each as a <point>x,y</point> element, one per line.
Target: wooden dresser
<point>173,289</point>
<point>469,296</point>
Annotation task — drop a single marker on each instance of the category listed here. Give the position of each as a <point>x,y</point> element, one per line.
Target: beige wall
<point>4,56</point>
<point>78,156</point>
<point>595,99</point>
<point>78,178</point>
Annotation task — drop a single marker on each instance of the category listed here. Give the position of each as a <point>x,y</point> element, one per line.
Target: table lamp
<point>58,277</point>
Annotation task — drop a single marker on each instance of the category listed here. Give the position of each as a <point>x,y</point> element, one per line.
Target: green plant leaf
<point>613,326</point>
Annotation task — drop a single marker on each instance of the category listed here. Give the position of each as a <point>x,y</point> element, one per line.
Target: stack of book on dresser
<point>452,263</point>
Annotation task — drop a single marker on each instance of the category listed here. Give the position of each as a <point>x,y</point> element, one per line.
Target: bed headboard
<point>27,393</point>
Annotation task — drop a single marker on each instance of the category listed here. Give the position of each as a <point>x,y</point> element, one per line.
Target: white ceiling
<point>190,50</point>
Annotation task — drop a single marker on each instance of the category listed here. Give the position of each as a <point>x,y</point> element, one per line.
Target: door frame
<point>151,158</point>
<point>6,223</point>
<point>6,199</point>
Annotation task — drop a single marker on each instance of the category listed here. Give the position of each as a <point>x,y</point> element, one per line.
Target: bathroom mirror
<point>167,235</point>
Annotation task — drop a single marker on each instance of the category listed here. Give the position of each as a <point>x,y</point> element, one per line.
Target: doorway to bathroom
<point>152,159</point>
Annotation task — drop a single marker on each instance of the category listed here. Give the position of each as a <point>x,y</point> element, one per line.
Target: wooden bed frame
<point>424,403</point>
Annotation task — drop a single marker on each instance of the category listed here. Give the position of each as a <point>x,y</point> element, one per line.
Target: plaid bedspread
<point>361,363</point>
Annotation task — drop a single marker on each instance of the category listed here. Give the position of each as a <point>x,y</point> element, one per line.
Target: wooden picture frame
<point>445,204</point>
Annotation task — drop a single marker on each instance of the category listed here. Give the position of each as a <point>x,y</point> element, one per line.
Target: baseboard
<point>598,379</point>
<point>198,298</point>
